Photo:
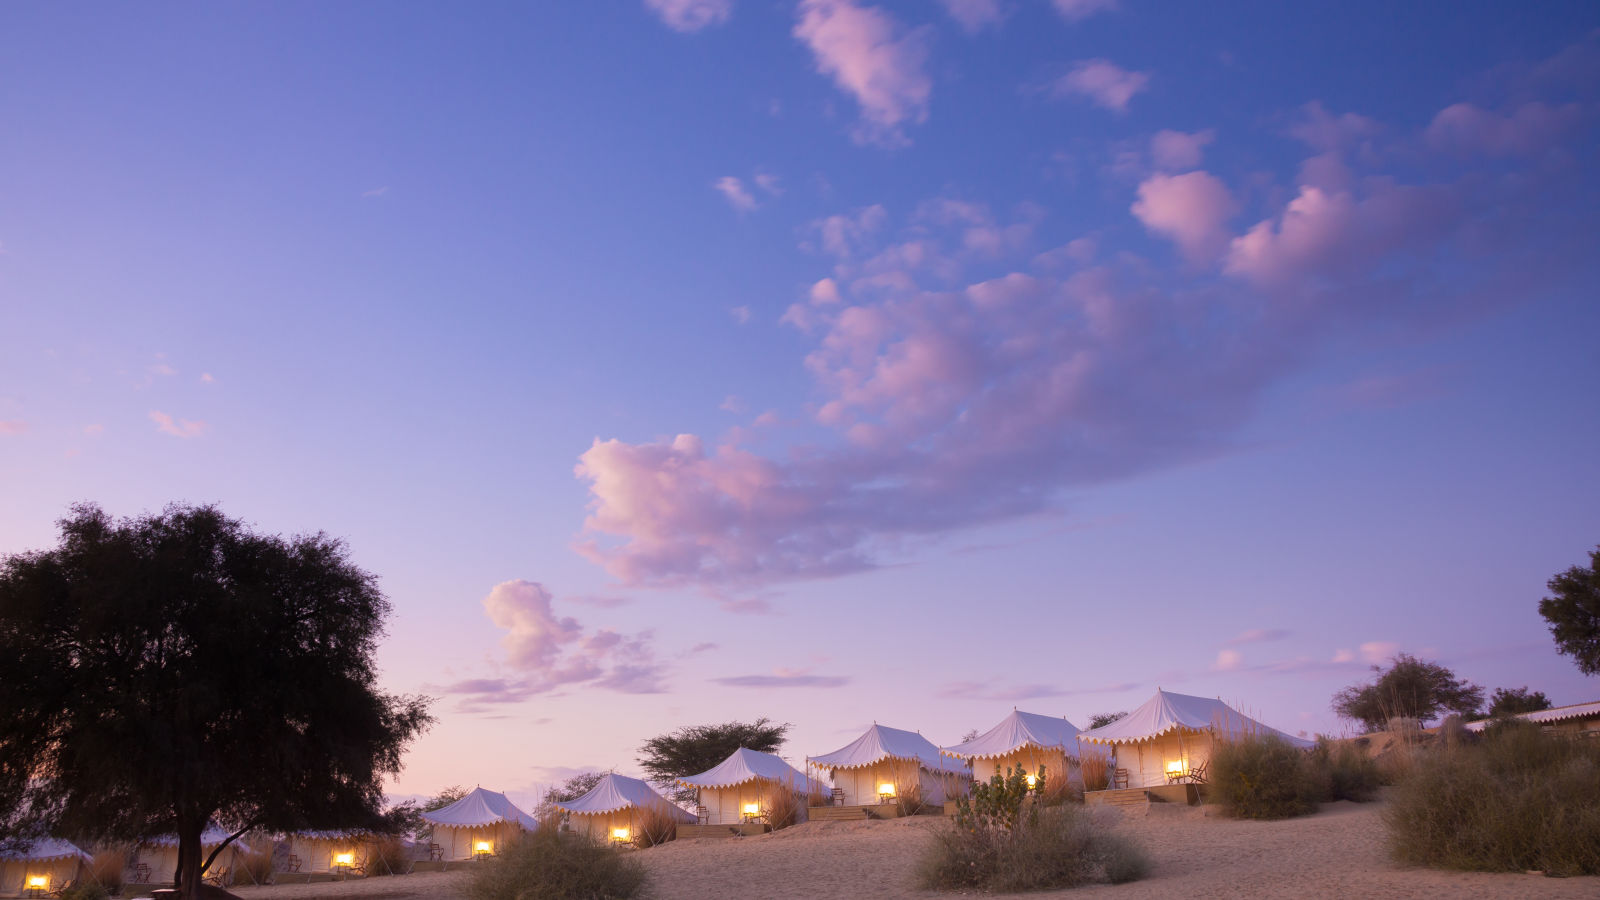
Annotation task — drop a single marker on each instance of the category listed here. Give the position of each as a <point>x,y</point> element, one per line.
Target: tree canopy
<point>696,748</point>
<point>571,789</point>
<point>1514,701</point>
<point>1411,688</point>
<point>1099,719</point>
<point>162,672</point>
<point>1573,611</point>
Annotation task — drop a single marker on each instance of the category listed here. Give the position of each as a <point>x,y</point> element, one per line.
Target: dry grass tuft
<point>1059,789</point>
<point>1054,847</point>
<point>785,807</point>
<point>253,868</point>
<point>109,867</point>
<point>908,801</point>
<point>654,825</point>
<point>1263,777</point>
<point>1096,771</point>
<point>388,856</point>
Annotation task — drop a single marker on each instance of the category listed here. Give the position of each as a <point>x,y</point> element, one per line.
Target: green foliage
<point>1516,800</point>
<point>1347,771</point>
<point>1511,702</point>
<point>696,748</point>
<point>997,805</point>
<point>1573,611</point>
<point>1058,847</point>
<point>551,866</point>
<point>1263,777</point>
<point>1101,719</point>
<point>1411,688</point>
<point>176,668</point>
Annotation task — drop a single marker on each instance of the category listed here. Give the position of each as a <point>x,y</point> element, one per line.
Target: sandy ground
<point>1336,853</point>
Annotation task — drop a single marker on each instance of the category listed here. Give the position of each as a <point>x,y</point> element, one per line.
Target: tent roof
<point>615,792</point>
<point>46,849</point>
<point>478,808</point>
<point>880,742</point>
<point>1168,712</point>
<point>1018,730</point>
<point>745,765</point>
<point>212,836</point>
<point>1545,716</point>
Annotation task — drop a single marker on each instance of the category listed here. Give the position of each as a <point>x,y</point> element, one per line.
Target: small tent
<point>326,851</point>
<point>46,866</point>
<point>743,784</point>
<point>885,763</point>
<point>478,824</point>
<point>613,811</point>
<point>161,855</point>
<point>1172,734</point>
<point>1025,740</point>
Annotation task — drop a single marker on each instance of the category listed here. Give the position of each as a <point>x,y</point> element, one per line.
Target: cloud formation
<point>1176,151</point>
<point>785,678</point>
<point>733,190</point>
<point>180,428</point>
<point>13,426</point>
<point>1192,209</point>
<point>975,15</point>
<point>1078,10</point>
<point>1101,82</point>
<point>874,59</point>
<point>691,15</point>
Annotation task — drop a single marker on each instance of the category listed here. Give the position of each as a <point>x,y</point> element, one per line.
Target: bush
<point>1058,789</point>
<point>1263,777</point>
<point>784,806</point>
<point>1516,800</point>
<point>552,866</point>
<point>86,890</point>
<point>1350,774</point>
<point>388,856</point>
<point>108,867</point>
<point>1002,841</point>
<point>908,802</point>
<point>252,868</point>
<point>1096,771</point>
<point>654,825</point>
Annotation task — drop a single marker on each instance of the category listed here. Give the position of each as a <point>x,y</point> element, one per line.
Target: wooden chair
<point>702,816</point>
<point>141,873</point>
<point>294,863</point>
<point>1119,779</point>
<point>1197,774</point>
<point>837,798</point>
<point>435,852</point>
<point>218,878</point>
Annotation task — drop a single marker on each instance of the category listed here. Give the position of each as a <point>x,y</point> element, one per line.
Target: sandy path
<point>1336,853</point>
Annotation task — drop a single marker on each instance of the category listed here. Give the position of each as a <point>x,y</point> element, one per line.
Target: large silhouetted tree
<point>161,672</point>
<point>1410,688</point>
<point>1573,611</point>
<point>696,748</point>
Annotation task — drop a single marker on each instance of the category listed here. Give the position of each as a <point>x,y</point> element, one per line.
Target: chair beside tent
<point>478,825</point>
<point>46,866</point>
<point>1171,736</point>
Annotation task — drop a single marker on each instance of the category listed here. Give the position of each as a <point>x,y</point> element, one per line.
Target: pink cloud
<point>1228,660</point>
<point>785,678</point>
<point>1532,129</point>
<point>1192,209</point>
<point>733,190</point>
<point>1177,150</point>
<point>1078,10</point>
<point>1103,83</point>
<point>691,15</point>
<point>871,57</point>
<point>769,183</point>
<point>741,314</point>
<point>13,426</point>
<point>975,15</point>
<point>1324,132</point>
<point>183,428</point>
<point>1378,652</point>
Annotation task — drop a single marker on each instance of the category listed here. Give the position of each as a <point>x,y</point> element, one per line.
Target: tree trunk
<point>187,880</point>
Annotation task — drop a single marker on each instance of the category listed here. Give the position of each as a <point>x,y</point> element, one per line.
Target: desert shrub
<point>1000,841</point>
<point>1058,789</point>
<point>253,868</point>
<point>654,825</point>
<point>784,806</point>
<point>820,798</point>
<point>85,890</point>
<point>1516,800</point>
<point>1096,771</point>
<point>1263,777</point>
<point>388,856</point>
<point>108,868</point>
<point>552,866</point>
<point>908,800</point>
<point>1350,774</point>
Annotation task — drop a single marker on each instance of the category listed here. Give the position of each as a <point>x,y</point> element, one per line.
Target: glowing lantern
<point>751,809</point>
<point>619,834</point>
<point>38,881</point>
<point>1175,767</point>
<point>482,847</point>
<point>1033,780</point>
<point>886,790</point>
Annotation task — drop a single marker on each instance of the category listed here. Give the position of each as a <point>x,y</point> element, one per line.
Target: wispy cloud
<point>1101,82</point>
<point>691,15</point>
<point>13,426</point>
<point>873,58</point>
<point>976,15</point>
<point>785,678</point>
<point>1258,636</point>
<point>733,190</point>
<point>741,314</point>
<point>376,192</point>
<point>978,690</point>
<point>1078,10</point>
<point>181,428</point>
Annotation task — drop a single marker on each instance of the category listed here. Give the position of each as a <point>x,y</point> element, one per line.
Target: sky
<point>832,361</point>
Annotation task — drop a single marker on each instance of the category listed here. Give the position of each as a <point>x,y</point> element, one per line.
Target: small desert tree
<point>161,672</point>
<point>1411,688</point>
<point>1099,719</point>
<point>571,789</point>
<point>1515,701</point>
<point>696,748</point>
<point>1573,611</point>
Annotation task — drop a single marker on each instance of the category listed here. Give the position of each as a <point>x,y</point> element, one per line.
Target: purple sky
<point>683,361</point>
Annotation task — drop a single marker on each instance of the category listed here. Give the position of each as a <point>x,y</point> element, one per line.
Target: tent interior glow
<point>620,834</point>
<point>38,881</point>
<point>345,859</point>
<point>751,809</point>
<point>483,847</point>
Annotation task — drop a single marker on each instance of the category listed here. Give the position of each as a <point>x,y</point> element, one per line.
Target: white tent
<point>1023,739</point>
<point>325,851</point>
<point>160,853</point>
<point>611,810</point>
<point>743,783</point>
<point>47,865</point>
<point>478,824</point>
<point>1173,733</point>
<point>1579,718</point>
<point>886,762</point>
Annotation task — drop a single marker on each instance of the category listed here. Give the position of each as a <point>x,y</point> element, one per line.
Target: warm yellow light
<point>344,859</point>
<point>886,789</point>
<point>1033,780</point>
<point>751,809</point>
<point>1175,766</point>
<point>38,881</point>
<point>620,834</point>
<point>483,847</point>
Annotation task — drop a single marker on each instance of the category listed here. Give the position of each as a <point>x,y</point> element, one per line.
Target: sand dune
<point>1336,853</point>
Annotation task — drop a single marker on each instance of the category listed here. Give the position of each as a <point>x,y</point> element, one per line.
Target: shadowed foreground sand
<point>1338,852</point>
